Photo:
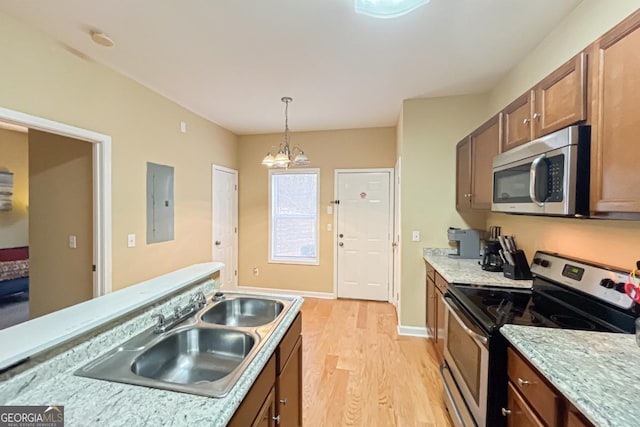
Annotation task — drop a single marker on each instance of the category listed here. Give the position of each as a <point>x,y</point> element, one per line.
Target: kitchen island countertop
<point>455,270</point>
<point>596,371</point>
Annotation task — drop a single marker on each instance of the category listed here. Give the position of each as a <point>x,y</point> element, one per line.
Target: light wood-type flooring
<point>357,371</point>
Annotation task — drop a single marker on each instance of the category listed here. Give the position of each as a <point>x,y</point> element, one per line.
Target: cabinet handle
<point>537,115</point>
<point>526,121</point>
<point>276,419</point>
<point>523,382</point>
<point>283,401</point>
<point>506,412</point>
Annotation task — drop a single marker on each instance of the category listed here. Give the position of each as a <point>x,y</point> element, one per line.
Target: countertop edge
<point>45,332</point>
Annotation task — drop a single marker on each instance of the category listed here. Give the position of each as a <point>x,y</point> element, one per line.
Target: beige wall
<point>327,150</point>
<point>14,155</point>
<point>431,129</point>
<point>610,242</point>
<point>61,204</point>
<point>42,78</point>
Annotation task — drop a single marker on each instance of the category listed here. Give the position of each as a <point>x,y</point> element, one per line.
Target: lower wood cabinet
<point>436,287</point>
<point>532,401</point>
<point>276,395</point>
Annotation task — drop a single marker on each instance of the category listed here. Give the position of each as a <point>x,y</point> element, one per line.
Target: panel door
<point>289,390</point>
<point>266,417</point>
<point>518,413</point>
<point>431,308</point>
<point>225,224</point>
<point>364,235</point>
<point>517,128</point>
<point>485,145</point>
<point>440,319</point>
<point>463,174</point>
<point>615,181</point>
<point>561,98</point>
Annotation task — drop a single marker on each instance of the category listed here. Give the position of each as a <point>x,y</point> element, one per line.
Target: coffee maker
<point>467,243</point>
<point>492,261</point>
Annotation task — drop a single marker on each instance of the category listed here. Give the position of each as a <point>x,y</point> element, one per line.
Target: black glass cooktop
<point>545,306</point>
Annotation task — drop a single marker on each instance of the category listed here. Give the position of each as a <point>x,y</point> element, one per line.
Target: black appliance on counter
<point>491,260</point>
<point>567,293</point>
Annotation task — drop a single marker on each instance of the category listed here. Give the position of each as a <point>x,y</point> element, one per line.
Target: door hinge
<point>93,268</point>
<point>235,272</point>
<point>236,187</point>
<point>235,229</point>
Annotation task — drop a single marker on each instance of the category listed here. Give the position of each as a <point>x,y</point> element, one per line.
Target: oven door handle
<point>476,336</point>
<point>533,178</point>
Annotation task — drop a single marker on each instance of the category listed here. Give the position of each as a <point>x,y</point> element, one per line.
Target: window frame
<point>283,260</point>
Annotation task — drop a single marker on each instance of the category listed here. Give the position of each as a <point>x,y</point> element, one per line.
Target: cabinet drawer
<point>431,272</point>
<point>288,343</point>
<point>532,387</point>
<point>441,283</point>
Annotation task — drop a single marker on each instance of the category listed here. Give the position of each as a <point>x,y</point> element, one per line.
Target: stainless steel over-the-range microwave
<point>547,176</point>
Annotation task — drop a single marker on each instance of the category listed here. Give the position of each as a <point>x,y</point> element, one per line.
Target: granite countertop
<point>597,371</point>
<point>91,402</point>
<point>468,271</point>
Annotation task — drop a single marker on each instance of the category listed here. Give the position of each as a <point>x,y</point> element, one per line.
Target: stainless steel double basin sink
<point>206,354</point>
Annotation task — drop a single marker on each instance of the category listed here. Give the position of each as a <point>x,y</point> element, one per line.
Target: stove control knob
<point>608,283</point>
<point>620,287</point>
<point>537,261</point>
<point>545,263</point>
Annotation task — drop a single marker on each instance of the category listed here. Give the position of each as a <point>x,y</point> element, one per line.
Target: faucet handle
<point>161,319</point>
<point>177,310</point>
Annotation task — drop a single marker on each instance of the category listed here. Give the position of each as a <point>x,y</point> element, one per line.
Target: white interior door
<point>364,222</point>
<point>225,224</point>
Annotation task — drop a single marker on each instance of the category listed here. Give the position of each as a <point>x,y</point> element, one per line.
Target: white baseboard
<point>275,291</point>
<point>413,331</point>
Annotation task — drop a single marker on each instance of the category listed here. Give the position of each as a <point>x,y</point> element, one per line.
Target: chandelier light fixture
<point>283,158</point>
<point>387,8</point>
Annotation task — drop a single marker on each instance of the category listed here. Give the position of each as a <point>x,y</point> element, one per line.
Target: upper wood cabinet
<point>474,166</point>
<point>558,101</point>
<point>615,177</point>
<point>561,98</point>
<point>517,122</point>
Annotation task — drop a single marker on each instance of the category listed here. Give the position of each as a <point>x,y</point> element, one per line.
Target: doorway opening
<point>58,224</point>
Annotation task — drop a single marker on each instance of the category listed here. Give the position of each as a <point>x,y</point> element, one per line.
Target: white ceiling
<point>232,60</point>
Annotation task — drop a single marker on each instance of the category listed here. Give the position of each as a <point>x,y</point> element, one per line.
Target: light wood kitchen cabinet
<point>474,166</point>
<point>615,181</point>
<point>519,413</point>
<point>267,413</point>
<point>532,401</point>
<point>436,287</point>
<point>561,98</point>
<point>558,101</point>
<point>276,395</point>
<point>517,128</point>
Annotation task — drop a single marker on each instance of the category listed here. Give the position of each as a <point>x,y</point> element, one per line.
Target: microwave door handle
<point>476,336</point>
<point>533,179</point>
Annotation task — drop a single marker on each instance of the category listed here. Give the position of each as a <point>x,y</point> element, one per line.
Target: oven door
<point>466,353</point>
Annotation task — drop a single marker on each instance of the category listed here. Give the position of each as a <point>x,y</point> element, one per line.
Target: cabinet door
<point>289,390</point>
<point>560,99</point>
<point>431,308</point>
<point>485,145</point>
<point>615,181</point>
<point>463,174</point>
<point>518,413</point>
<point>267,413</point>
<point>575,420</point>
<point>517,128</point>
<point>440,313</point>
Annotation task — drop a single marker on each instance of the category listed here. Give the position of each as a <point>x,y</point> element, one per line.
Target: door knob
<point>341,235</point>
<point>218,242</point>
<point>340,244</point>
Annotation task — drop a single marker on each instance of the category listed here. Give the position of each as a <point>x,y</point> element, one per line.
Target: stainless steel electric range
<point>567,293</point>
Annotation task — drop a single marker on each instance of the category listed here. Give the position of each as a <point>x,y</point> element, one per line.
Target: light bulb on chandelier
<point>283,159</point>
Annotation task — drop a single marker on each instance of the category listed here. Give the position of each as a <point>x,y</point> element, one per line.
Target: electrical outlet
<point>415,236</point>
<point>329,227</point>
<point>131,240</point>
<point>256,271</point>
<point>73,241</point>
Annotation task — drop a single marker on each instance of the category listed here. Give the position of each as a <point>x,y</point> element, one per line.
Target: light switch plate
<point>415,236</point>
<point>73,243</point>
<point>131,240</point>
<point>329,210</point>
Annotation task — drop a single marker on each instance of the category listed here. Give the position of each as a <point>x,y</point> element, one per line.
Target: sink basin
<point>194,355</point>
<point>243,312</point>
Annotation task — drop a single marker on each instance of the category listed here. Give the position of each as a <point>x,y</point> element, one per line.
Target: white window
<point>294,210</point>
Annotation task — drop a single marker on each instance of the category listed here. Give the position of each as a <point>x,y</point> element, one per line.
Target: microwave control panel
<point>555,178</point>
